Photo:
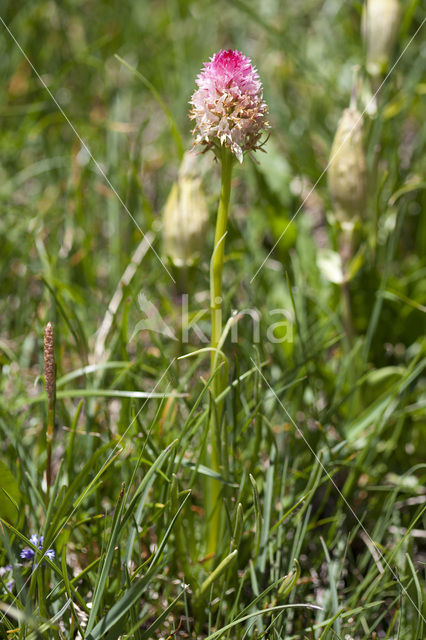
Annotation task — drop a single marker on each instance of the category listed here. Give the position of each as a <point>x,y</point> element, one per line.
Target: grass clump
<point>105,455</point>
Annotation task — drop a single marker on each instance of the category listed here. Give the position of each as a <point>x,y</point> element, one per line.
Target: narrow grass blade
<point>106,566</point>
<point>132,595</point>
<point>289,581</point>
<point>261,612</point>
<point>257,514</point>
<point>267,506</point>
<point>333,590</point>
<point>215,575</point>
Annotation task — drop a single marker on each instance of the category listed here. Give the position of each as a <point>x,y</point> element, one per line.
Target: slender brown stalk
<point>50,380</point>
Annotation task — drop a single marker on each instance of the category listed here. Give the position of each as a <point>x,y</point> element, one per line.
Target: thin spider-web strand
<point>84,145</point>
<point>330,162</point>
<point>87,489</point>
<point>348,505</point>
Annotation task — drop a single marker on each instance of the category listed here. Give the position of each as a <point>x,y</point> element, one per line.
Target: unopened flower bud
<point>347,173</point>
<point>380,26</point>
<point>185,217</point>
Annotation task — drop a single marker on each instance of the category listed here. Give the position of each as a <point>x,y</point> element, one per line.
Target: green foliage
<point>322,459</point>
<point>10,495</point>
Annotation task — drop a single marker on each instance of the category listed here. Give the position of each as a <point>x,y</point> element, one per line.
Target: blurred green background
<point>66,239</point>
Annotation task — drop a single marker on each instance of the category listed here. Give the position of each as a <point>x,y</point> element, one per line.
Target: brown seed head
<point>49,362</point>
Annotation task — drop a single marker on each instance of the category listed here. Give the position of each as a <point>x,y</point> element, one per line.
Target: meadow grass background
<point>331,426</point>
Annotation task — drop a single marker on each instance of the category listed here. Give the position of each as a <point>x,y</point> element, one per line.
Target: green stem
<point>346,252</point>
<point>49,438</point>
<point>213,488</point>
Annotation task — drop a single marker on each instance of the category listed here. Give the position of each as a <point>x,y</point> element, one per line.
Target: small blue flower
<point>6,571</point>
<point>28,554</point>
<point>50,554</point>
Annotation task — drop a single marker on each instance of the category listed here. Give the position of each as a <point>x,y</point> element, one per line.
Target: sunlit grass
<point>323,480</point>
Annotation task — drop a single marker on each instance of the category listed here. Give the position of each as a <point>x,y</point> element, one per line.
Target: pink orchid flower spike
<point>228,106</point>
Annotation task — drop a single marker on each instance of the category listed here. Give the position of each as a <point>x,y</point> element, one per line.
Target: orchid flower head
<point>228,106</point>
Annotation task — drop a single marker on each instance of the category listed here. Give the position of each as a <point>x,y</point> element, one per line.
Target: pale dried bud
<point>380,26</point>
<point>49,363</point>
<point>347,173</point>
<point>185,217</point>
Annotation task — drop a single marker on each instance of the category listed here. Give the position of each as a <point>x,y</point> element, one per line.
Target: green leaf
<point>262,612</point>
<point>132,595</point>
<point>258,514</point>
<point>289,581</point>
<point>10,495</point>
<point>106,566</point>
<point>215,575</point>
